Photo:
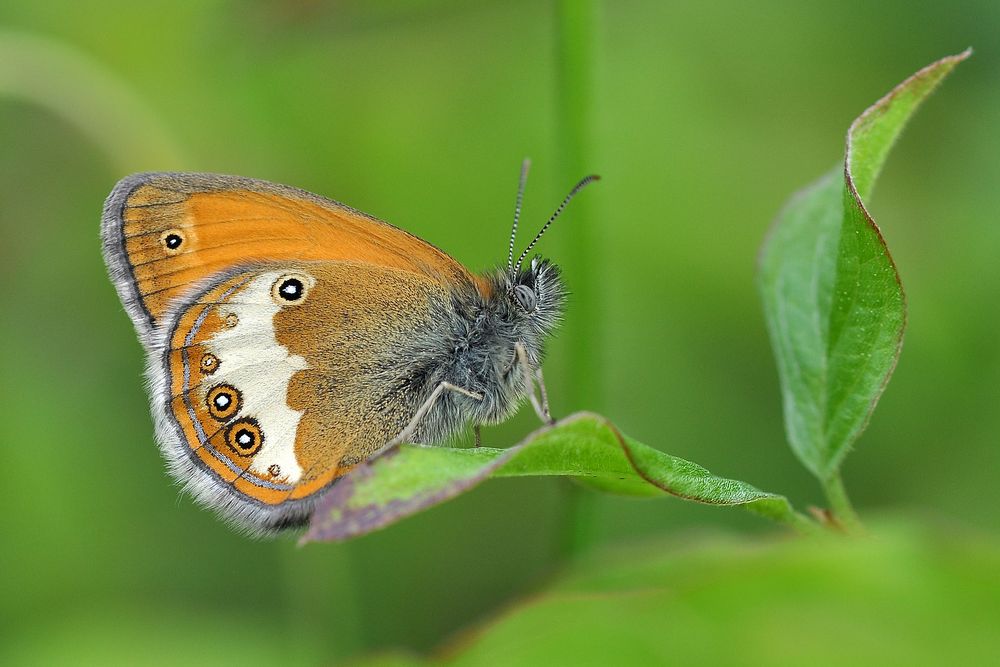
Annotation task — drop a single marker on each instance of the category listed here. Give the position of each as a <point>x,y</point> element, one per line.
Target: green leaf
<point>584,446</point>
<point>833,300</point>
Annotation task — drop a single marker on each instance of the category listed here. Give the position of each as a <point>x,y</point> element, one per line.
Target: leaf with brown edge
<point>833,299</point>
<point>584,446</point>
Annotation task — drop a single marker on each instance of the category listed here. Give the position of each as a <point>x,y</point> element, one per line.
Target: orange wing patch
<point>164,233</point>
<point>203,406</point>
<point>229,379</point>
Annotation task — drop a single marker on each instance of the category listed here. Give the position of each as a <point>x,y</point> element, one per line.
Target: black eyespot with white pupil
<point>291,289</point>
<point>172,241</point>
<point>244,436</point>
<point>223,401</point>
<point>209,363</point>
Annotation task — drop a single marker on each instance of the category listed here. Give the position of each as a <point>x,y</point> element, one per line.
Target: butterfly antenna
<point>525,165</point>
<point>572,193</point>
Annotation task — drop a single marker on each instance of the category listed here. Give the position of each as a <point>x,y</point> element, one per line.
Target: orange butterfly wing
<point>241,381</point>
<point>165,233</point>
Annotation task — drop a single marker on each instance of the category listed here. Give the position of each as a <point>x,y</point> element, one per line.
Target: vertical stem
<point>575,72</point>
<point>840,504</point>
<point>576,22</point>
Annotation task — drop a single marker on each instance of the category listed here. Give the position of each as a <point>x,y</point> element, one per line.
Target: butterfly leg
<point>545,395</point>
<point>479,437</point>
<point>533,377</point>
<point>411,427</point>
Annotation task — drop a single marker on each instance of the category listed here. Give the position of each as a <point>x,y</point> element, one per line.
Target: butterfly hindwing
<point>274,380</point>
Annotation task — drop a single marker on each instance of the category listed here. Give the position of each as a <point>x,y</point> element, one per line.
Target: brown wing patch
<point>351,330</point>
<point>165,232</point>
<point>286,377</point>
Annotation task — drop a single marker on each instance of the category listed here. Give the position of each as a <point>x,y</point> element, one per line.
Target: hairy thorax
<point>470,340</point>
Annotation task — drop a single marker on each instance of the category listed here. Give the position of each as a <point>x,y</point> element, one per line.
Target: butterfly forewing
<point>164,233</point>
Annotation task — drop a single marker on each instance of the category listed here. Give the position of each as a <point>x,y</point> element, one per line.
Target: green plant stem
<point>575,45</point>
<point>840,503</point>
<point>802,524</point>
<point>575,73</point>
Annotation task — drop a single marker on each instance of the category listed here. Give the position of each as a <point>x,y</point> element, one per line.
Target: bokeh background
<point>704,118</point>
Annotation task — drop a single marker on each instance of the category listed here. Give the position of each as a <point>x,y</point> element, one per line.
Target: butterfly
<point>290,338</point>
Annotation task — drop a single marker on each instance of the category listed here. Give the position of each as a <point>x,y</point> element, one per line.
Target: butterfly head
<point>530,302</point>
<point>530,296</point>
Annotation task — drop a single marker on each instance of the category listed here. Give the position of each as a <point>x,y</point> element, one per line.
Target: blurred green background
<point>706,117</point>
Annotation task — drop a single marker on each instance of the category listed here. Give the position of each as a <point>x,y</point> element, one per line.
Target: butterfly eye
<point>245,437</point>
<point>526,298</point>
<point>290,289</point>
<point>172,240</point>
<point>223,401</point>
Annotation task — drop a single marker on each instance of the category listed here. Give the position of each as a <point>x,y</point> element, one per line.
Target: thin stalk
<point>840,503</point>
<point>801,524</point>
<point>576,23</point>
